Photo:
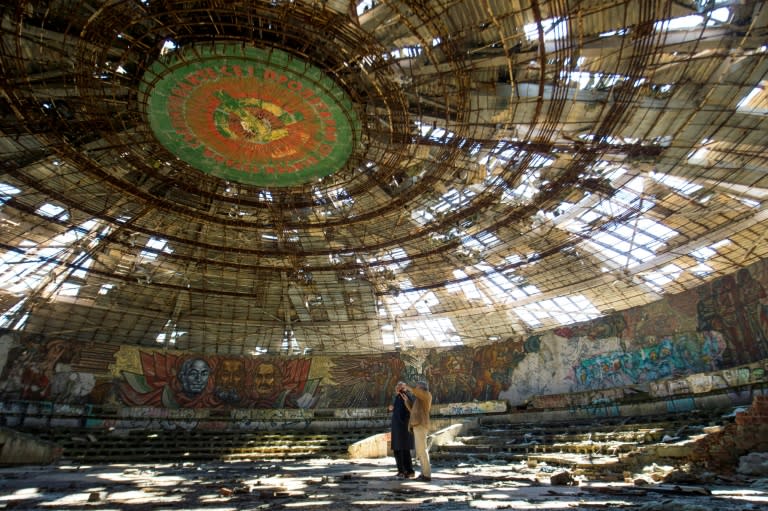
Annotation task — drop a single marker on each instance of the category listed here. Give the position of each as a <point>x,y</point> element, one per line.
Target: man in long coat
<point>402,438</point>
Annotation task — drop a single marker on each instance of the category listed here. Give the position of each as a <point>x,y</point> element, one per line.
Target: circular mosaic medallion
<point>255,116</point>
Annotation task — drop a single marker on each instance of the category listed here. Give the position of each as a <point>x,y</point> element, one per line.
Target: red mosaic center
<point>251,116</point>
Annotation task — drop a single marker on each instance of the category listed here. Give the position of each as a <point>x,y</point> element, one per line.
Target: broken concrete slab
<point>17,448</point>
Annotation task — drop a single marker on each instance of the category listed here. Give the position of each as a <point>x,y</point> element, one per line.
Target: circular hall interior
<point>228,217</point>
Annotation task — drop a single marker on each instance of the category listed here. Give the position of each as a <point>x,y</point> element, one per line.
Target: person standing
<point>402,439</point>
<point>419,423</point>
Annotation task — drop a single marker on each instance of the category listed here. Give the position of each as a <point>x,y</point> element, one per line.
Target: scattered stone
<point>273,494</point>
<point>97,496</point>
<point>656,473</point>
<point>563,478</point>
<point>681,490</point>
<point>689,475</point>
<point>487,486</point>
<point>677,505</point>
<point>754,464</point>
<point>642,481</point>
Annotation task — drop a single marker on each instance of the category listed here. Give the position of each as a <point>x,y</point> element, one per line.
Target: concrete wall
<point>670,347</point>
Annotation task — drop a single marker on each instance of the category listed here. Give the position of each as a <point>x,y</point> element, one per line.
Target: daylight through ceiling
<point>327,177</point>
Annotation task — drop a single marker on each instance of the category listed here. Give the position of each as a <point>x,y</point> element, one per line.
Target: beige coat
<point>420,407</point>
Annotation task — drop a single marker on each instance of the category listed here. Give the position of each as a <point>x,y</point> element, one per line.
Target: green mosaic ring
<point>250,115</point>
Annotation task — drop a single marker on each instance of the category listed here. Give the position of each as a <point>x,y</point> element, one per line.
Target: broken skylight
<point>153,248</point>
<point>562,310</point>
<point>439,331</point>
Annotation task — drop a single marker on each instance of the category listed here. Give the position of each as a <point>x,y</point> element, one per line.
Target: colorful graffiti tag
<point>719,325</point>
<point>672,356</point>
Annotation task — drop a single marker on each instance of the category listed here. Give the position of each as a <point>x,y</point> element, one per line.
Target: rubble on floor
<point>697,460</point>
<point>337,484</point>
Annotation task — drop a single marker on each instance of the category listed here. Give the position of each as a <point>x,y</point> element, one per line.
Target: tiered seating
<point>92,446</point>
<point>603,448</point>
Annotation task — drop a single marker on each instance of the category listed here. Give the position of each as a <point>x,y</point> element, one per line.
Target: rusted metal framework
<point>518,165</point>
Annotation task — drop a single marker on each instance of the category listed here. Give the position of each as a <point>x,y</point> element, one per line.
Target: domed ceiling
<point>295,177</point>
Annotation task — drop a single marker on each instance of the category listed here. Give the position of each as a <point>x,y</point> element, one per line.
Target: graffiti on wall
<point>671,356</point>
<point>176,380</point>
<point>720,324</point>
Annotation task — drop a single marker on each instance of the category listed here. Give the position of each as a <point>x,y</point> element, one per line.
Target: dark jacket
<point>402,438</point>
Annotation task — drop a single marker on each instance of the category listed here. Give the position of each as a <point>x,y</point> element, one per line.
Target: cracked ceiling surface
<point>294,177</point>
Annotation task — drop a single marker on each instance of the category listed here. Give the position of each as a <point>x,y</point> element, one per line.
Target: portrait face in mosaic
<point>194,375</point>
<point>230,376</point>
<point>265,379</point>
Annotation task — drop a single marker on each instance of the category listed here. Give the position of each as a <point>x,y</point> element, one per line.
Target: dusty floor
<point>347,484</point>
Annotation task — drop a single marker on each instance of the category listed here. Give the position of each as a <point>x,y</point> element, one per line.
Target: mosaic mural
<point>173,381</point>
<point>250,115</point>
<point>720,325</point>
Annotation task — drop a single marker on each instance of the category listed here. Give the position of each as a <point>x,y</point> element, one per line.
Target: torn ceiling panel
<point>303,177</point>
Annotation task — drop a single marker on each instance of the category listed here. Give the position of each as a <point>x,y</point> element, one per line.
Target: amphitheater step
<point>604,449</point>
<point>170,445</point>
